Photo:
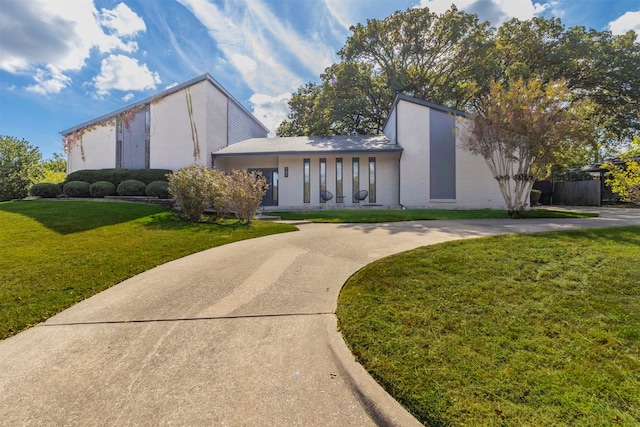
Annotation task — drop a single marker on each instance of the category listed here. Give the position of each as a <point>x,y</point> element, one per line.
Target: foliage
<point>196,188</point>
<point>393,215</point>
<point>538,330</point>
<point>45,190</point>
<point>245,192</point>
<point>534,197</point>
<point>53,169</point>
<point>450,59</point>
<point>77,189</point>
<point>519,129</point>
<point>19,168</point>
<point>624,178</point>
<point>102,189</point>
<point>54,254</point>
<point>131,187</point>
<point>117,175</point>
<point>159,189</point>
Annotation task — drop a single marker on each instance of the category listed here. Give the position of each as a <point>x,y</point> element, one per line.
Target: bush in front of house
<point>245,192</point>
<point>159,189</point>
<point>77,189</point>
<point>102,189</point>
<point>196,188</point>
<point>117,175</point>
<point>534,197</point>
<point>45,190</point>
<point>131,187</point>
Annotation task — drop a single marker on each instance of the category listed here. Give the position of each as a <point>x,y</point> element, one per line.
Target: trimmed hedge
<point>46,190</point>
<point>132,187</point>
<point>116,176</point>
<point>534,197</point>
<point>102,188</point>
<point>77,189</point>
<point>159,189</point>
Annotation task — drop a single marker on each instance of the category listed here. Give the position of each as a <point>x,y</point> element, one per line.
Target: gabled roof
<point>310,145</point>
<point>162,94</point>
<point>403,97</point>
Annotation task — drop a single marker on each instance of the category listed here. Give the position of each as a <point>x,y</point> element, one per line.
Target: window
<point>323,179</point>
<point>339,190</point>
<point>372,179</point>
<point>133,139</point>
<point>307,180</point>
<point>355,168</point>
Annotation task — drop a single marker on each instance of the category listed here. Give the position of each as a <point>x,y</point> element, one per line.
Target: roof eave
<point>308,152</point>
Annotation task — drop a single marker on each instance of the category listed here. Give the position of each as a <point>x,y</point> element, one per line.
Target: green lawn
<point>56,253</point>
<point>394,215</point>
<point>538,330</point>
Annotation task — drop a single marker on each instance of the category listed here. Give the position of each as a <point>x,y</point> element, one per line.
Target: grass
<point>395,215</point>
<point>538,330</point>
<point>54,254</point>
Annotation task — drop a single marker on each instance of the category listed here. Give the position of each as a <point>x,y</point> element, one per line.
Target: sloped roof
<point>162,94</point>
<point>310,145</point>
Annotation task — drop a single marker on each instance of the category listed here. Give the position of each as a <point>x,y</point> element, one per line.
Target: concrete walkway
<point>240,335</point>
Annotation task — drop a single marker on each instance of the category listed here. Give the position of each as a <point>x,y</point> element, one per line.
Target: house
<point>418,161</point>
<point>177,127</point>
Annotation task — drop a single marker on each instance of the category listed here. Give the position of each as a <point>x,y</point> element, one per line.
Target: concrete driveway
<point>239,335</point>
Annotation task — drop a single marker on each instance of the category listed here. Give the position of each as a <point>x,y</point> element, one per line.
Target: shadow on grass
<point>173,221</point>
<point>67,217</point>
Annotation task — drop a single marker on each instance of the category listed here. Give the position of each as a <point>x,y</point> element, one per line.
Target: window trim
<point>355,178</point>
<point>322,173</point>
<point>339,181</point>
<point>306,180</point>
<point>372,182</point>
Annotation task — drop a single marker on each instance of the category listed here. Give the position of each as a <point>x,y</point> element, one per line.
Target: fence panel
<point>577,193</point>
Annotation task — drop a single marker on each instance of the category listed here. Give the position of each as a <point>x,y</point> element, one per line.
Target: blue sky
<point>63,62</point>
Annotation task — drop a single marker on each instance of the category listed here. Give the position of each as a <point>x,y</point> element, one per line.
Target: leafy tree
<point>624,177</point>
<point>19,167</point>
<point>519,129</point>
<point>54,170</point>
<point>245,190</point>
<point>436,57</point>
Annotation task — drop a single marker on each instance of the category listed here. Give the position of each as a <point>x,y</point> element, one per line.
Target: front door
<point>271,197</point>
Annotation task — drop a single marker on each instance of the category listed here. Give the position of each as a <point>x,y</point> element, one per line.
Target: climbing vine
<point>194,130</point>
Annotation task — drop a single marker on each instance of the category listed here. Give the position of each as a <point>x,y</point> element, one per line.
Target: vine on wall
<point>194,130</point>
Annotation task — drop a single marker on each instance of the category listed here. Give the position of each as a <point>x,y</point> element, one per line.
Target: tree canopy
<point>19,167</point>
<point>450,59</point>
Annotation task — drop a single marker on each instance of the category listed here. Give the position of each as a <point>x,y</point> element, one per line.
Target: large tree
<point>19,167</point>
<point>519,128</point>
<point>624,173</point>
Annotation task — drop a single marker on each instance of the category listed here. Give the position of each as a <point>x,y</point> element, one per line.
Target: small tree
<point>19,167</point>
<point>245,192</point>
<point>54,170</point>
<point>625,179</point>
<point>520,130</point>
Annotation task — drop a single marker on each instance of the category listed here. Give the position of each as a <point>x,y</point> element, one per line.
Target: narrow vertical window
<point>355,168</point>
<point>339,190</point>
<point>372,179</point>
<point>323,180</point>
<point>307,180</point>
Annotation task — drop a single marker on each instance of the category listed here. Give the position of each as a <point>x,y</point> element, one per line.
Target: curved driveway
<point>243,334</point>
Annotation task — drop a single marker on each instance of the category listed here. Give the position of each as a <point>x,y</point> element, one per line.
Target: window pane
<point>355,167</point>
<point>339,192</point>
<point>307,180</point>
<point>372,179</point>
<point>323,177</point>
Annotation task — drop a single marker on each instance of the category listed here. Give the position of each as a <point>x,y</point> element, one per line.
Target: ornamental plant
<point>245,192</point>
<point>196,188</point>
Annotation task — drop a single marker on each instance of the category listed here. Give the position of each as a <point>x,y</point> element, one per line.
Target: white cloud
<point>49,81</point>
<point>494,11</point>
<point>50,38</point>
<point>121,72</point>
<point>122,20</point>
<point>341,11</point>
<point>628,21</point>
<point>270,110</point>
<point>260,47</point>
<point>128,97</point>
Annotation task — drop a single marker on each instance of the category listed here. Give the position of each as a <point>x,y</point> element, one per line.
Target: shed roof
<point>310,145</point>
<point>162,94</point>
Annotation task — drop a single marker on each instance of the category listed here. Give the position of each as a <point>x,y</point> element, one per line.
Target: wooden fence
<point>577,193</point>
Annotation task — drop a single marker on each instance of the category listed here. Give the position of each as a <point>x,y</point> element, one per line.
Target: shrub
<point>46,190</point>
<point>534,197</point>
<point>197,188</point>
<point>131,187</point>
<point>246,190</point>
<point>77,189</point>
<point>117,175</point>
<point>102,189</point>
<point>159,189</point>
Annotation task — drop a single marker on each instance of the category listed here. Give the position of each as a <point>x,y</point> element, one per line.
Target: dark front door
<point>271,197</point>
